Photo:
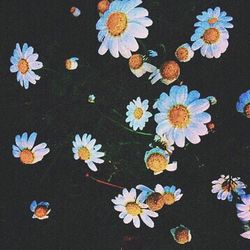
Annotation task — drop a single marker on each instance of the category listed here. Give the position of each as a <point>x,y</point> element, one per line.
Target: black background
<point>82,215</point>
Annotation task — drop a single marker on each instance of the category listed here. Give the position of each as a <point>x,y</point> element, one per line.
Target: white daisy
<point>24,61</point>
<point>120,24</point>
<point>102,6</point>
<point>75,11</point>
<point>25,150</point>
<point>137,114</point>
<point>243,209</point>
<point>71,63</point>
<point>139,66</point>
<point>41,210</point>
<point>86,150</point>
<point>184,53</point>
<point>132,210</point>
<point>181,234</point>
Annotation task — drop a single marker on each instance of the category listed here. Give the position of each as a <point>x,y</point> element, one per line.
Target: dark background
<point>82,215</point>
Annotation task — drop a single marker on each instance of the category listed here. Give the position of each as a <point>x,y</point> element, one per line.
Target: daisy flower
<point>216,16</point>
<point>225,186</point>
<point>102,6</point>
<point>184,53</point>
<point>181,234</point>
<point>182,115</point>
<point>25,150</point>
<point>132,210</point>
<point>212,41</point>
<point>120,25</point>
<point>139,66</point>
<point>168,73</point>
<point>75,11</point>
<point>157,160</point>
<point>246,235</point>
<point>91,98</point>
<point>137,114</point>
<point>71,63</point>
<point>40,210</point>
<point>243,105</point>
<point>86,150</point>
<point>243,210</point>
<point>24,61</point>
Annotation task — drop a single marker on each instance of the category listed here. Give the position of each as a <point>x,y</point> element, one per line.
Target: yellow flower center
<point>247,110</point>
<point>179,116</point>
<point>211,36</point>
<point>157,162</point>
<point>103,5</point>
<point>133,208</point>
<point>117,23</point>
<point>138,113</point>
<point>182,235</point>
<point>41,211</point>
<point>182,54</point>
<point>169,198</point>
<point>84,154</point>
<point>23,66</point>
<point>26,156</point>
<point>135,61</point>
<point>155,201</point>
<point>212,20</point>
<point>170,70</point>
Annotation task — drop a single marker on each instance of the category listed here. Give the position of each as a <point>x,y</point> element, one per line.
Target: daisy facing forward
<point>132,210</point>
<point>24,61</point>
<point>137,114</point>
<point>225,186</point>
<point>119,25</point>
<point>25,150</point>
<point>243,209</point>
<point>139,66</point>
<point>182,115</point>
<point>41,210</point>
<point>243,105</point>
<point>86,150</point>
<point>184,53</point>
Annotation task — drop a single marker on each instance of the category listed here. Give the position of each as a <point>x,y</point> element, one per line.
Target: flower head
<point>243,209</point>
<point>24,61</point>
<point>25,150</point>
<point>71,63</point>
<point>91,98</point>
<point>40,210</point>
<point>243,105</point>
<point>225,186</point>
<point>181,234</point>
<point>131,209</point>
<point>184,53</point>
<point>86,150</point>
<point>75,11</point>
<point>137,114</point>
<point>102,6</point>
<point>182,115</point>
<point>120,24</point>
<point>157,160</point>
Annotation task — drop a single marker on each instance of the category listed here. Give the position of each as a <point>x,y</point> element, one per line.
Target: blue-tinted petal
<point>33,206</point>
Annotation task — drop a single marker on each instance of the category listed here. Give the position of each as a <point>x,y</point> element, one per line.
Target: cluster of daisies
<point>231,188</point>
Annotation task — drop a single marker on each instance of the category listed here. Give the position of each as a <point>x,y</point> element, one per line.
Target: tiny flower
<point>246,235</point>
<point>168,73</point>
<point>86,150</point>
<point>243,210</point>
<point>137,114</point>
<point>25,150</point>
<point>138,66</point>
<point>182,115</point>
<point>165,142</point>
<point>40,210</point>
<point>157,160</point>
<point>243,105</point>
<point>24,61</point>
<point>71,63</point>
<point>181,234</point>
<point>119,27</point>
<point>184,53</point>
<point>152,53</point>
<point>75,11</point>
<point>91,98</point>
<point>212,100</point>
<point>211,127</point>
<point>226,185</point>
<point>131,209</point>
<point>102,6</point>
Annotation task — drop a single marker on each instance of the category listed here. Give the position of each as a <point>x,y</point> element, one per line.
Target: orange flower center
<point>211,36</point>
<point>68,64</point>
<point>26,156</point>
<point>247,110</point>
<point>157,162</point>
<point>133,208</point>
<point>182,54</point>
<point>135,61</point>
<point>41,211</point>
<point>179,116</point>
<point>103,5</point>
<point>212,20</point>
<point>72,9</point>
<point>182,236</point>
<point>155,201</point>
<point>169,198</point>
<point>229,185</point>
<point>23,66</point>
<point>84,153</point>
<point>138,113</point>
<point>117,23</point>
<point>170,70</point>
